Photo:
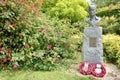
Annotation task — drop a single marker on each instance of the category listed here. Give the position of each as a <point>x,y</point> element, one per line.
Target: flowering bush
<point>37,43</point>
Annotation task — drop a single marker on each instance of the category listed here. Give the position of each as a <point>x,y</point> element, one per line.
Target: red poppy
<point>27,46</point>
<point>0,49</point>
<point>49,47</point>
<point>15,67</point>
<point>67,47</point>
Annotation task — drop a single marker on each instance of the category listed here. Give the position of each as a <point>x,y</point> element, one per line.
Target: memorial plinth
<point>92,49</point>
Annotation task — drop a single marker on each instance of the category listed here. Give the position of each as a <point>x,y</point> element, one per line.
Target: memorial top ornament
<point>93,20</point>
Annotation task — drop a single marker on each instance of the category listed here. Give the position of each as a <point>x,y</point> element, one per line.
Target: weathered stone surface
<point>92,49</point>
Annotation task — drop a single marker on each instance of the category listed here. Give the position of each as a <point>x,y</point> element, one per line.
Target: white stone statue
<point>93,20</point>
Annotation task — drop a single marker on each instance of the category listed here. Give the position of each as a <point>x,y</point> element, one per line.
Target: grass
<point>38,75</point>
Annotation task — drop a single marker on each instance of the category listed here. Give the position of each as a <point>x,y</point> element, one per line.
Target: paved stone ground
<point>113,73</point>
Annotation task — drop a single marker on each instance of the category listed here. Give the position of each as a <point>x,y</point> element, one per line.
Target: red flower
<point>59,33</point>
<point>0,49</point>
<point>8,59</point>
<point>49,47</point>
<point>15,67</point>
<point>4,60</point>
<point>27,46</point>
<point>8,51</point>
<point>41,30</point>
<point>67,47</point>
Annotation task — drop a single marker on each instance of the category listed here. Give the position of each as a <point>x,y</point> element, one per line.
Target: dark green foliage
<point>103,3</point>
<point>111,19</point>
<point>109,11</point>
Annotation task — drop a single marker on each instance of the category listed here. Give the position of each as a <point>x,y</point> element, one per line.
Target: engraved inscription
<point>92,42</point>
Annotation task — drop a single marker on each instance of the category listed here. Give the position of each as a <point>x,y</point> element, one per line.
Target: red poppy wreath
<point>98,70</point>
<point>85,68</point>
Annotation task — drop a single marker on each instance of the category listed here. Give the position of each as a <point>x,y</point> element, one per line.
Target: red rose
<point>15,67</point>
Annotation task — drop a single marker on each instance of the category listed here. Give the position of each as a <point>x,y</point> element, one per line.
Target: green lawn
<point>38,75</point>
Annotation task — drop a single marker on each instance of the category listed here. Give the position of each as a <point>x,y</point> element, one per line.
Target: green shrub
<point>47,5</point>
<point>111,44</point>
<point>109,24</point>
<point>109,10</point>
<point>14,30</point>
<point>34,42</point>
<point>111,18</point>
<point>103,3</point>
<point>74,10</point>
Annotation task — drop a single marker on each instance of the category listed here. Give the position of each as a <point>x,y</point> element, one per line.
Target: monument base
<point>92,49</point>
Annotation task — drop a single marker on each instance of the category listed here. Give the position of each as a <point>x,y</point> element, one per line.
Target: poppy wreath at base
<point>98,70</point>
<point>85,68</point>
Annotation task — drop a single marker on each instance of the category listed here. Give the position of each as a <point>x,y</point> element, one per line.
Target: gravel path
<point>113,73</point>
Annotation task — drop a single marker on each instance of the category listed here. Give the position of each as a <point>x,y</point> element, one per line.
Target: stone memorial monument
<point>92,49</point>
